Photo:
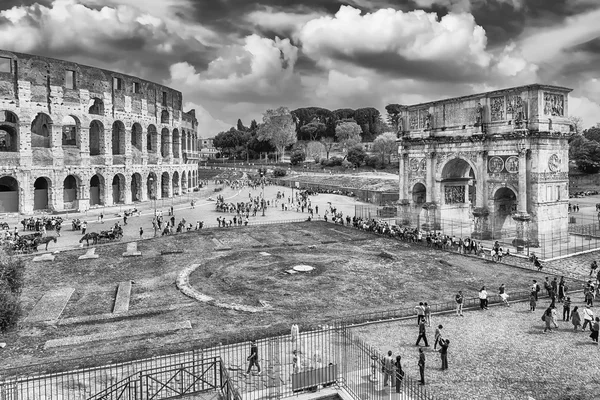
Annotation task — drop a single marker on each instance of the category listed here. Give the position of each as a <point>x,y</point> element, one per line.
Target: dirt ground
<point>350,277</point>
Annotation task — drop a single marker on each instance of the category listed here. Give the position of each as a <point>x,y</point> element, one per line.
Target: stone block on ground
<point>220,246</point>
<point>142,329</point>
<point>122,299</point>
<point>89,254</point>
<point>50,306</point>
<point>132,250</point>
<point>44,257</point>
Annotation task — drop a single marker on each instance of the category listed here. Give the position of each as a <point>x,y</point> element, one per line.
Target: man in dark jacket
<point>253,357</point>
<point>422,334</point>
<point>422,366</point>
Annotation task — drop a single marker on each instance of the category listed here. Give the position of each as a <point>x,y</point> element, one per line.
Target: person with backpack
<point>399,373</point>
<point>588,317</point>
<point>388,370</point>
<point>459,303</point>
<point>595,329</point>
<point>253,358</point>
<point>547,318</point>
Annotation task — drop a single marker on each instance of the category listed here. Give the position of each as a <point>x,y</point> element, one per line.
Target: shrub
<point>347,164</point>
<point>374,162</point>
<point>297,157</point>
<point>356,155</point>
<point>10,310</point>
<point>279,172</point>
<point>335,161</point>
<point>12,273</point>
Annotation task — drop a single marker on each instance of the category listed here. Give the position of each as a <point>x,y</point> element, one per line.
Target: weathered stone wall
<point>127,111</point>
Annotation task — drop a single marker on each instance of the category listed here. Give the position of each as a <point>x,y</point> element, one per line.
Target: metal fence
<point>287,365</point>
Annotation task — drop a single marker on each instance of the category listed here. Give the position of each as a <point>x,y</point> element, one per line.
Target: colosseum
<point>74,137</point>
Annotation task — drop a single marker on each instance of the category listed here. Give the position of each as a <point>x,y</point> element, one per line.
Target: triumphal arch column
<point>495,162</point>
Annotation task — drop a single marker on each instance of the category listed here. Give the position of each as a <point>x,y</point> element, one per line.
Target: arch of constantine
<point>496,159</point>
<point>73,136</point>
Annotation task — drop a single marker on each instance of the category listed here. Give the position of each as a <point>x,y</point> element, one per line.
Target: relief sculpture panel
<point>413,120</point>
<point>497,108</point>
<point>452,114</point>
<point>554,104</point>
<point>454,194</point>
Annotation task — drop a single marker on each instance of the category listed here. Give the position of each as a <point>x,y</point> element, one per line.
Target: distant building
<point>207,149</point>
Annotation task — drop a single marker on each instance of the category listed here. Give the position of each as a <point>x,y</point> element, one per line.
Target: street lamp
<point>263,202</point>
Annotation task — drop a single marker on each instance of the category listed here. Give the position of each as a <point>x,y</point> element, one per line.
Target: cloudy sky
<point>236,58</point>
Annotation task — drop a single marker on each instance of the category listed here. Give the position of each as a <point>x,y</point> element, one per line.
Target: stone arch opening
<point>458,182</point>
<point>183,140</point>
<point>40,193</point>
<point>151,139</point>
<point>69,191</point>
<point>164,142</point>
<point>118,138</point>
<point>165,183</point>
<point>164,117</point>
<point>96,107</point>
<point>118,189</point>
<point>97,190</point>
<point>419,194</point>
<point>70,131</point>
<point>151,184</point>
<point>176,142</point>
<point>9,194</point>
<point>190,184</point>
<point>96,138</point>
<point>136,187</point>
<point>41,131</point>
<point>505,204</point>
<point>175,183</point>
<point>9,132</point>
<point>184,183</point>
<point>136,136</point>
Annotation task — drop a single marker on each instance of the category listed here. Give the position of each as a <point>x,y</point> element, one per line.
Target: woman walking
<point>503,294</point>
<point>399,373</point>
<point>483,298</point>
<point>588,317</point>
<point>575,319</point>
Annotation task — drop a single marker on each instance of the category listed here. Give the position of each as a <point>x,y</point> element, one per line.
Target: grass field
<point>350,277</point>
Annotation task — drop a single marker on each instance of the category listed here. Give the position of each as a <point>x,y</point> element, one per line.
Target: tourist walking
<point>562,289</point>
<point>595,329</point>
<point>420,310</point>
<point>83,227</point>
<point>588,317</point>
<point>388,369</point>
<point>483,298</point>
<point>399,373</point>
<point>459,303</point>
<point>535,288</point>
<point>141,233</point>
<point>427,313</point>
<point>547,318</point>
<point>554,315</point>
<point>567,309</point>
<point>575,319</point>
<point>444,353</point>
<point>503,294</point>
<point>422,334</point>
<point>589,296</point>
<point>422,366</point>
<point>438,336</point>
<point>532,301</point>
<point>593,267</point>
<point>253,358</point>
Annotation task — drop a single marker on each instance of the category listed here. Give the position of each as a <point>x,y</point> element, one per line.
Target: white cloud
<point>208,126</point>
<point>511,62</point>
<point>261,70</point>
<point>280,22</point>
<point>588,110</point>
<point>413,36</point>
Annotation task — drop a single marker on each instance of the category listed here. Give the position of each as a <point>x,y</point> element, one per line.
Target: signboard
<point>297,185</point>
<point>314,377</point>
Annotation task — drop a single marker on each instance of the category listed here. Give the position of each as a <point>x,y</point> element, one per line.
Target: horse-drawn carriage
<point>28,244</point>
<point>4,226</point>
<point>102,237</point>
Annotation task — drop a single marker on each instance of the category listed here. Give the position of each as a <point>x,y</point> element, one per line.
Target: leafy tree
<point>393,115</point>
<point>240,126</point>
<point>585,153</point>
<point>314,150</point>
<point>328,144</point>
<point>343,113</point>
<point>313,130</point>
<point>592,134</point>
<point>576,124</point>
<point>228,141</point>
<point>253,126</point>
<point>278,128</point>
<point>369,119</point>
<point>307,115</point>
<point>348,134</point>
<point>297,157</point>
<point>356,155</point>
<point>385,145</point>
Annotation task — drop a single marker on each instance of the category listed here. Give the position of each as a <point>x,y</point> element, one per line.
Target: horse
<point>32,236</point>
<point>45,240</point>
<point>90,235</point>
